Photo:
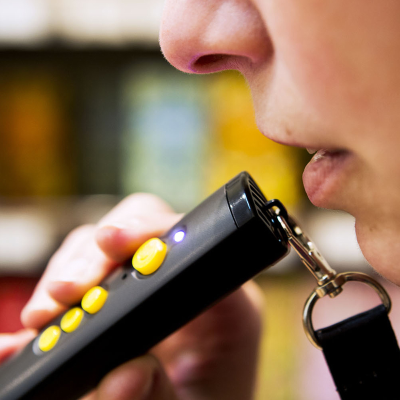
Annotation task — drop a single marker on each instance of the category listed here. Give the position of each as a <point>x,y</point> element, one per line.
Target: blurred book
<point>165,135</point>
<point>36,154</point>
<point>98,123</point>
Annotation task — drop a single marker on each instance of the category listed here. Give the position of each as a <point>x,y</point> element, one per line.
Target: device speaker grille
<point>259,201</point>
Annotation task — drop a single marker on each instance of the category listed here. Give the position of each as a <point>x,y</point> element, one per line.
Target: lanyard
<point>362,352</point>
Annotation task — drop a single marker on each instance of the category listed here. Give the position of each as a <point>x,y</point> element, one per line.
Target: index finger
<point>137,218</point>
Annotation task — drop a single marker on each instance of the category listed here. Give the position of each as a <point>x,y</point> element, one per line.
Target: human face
<point>323,75</point>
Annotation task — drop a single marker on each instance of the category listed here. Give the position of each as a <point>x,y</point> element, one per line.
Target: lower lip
<point>322,177</point>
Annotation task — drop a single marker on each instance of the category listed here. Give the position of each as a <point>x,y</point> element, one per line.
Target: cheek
<point>333,55</point>
<point>310,60</point>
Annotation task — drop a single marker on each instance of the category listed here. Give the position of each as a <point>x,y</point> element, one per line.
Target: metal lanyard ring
<point>329,282</point>
<point>342,278</point>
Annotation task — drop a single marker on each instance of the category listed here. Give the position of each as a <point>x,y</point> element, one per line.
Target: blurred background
<point>90,111</point>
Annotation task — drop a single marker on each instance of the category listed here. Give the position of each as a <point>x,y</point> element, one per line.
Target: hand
<point>213,357</point>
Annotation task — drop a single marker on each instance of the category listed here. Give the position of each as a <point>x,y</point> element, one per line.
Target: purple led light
<point>179,236</point>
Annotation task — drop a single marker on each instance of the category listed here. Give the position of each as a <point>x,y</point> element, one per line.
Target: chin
<point>381,249</point>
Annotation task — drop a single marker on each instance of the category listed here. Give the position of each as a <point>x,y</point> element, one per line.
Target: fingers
<point>90,253</point>
<point>215,356</point>
<point>9,343</point>
<point>78,265</point>
<point>142,378</point>
<point>137,218</point>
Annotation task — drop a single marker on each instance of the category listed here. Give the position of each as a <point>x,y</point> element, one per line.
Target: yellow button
<point>94,299</point>
<point>149,256</point>
<point>49,338</point>
<point>71,319</point>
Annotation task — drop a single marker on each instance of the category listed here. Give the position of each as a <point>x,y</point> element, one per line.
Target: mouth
<point>325,174</point>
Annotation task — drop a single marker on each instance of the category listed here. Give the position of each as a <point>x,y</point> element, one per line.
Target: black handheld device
<point>222,243</point>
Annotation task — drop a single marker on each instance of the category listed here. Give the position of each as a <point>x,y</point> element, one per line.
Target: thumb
<point>140,379</point>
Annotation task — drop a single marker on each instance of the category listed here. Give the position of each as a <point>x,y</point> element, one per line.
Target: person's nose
<point>202,36</point>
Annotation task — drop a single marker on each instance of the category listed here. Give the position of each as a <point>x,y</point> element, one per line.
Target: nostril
<point>208,59</point>
<point>217,62</point>
<point>207,62</point>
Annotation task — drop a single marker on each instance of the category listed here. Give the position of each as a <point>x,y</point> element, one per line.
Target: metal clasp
<point>329,282</point>
<point>311,258</point>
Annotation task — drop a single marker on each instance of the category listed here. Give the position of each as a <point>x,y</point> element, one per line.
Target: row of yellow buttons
<point>92,302</point>
<point>146,260</point>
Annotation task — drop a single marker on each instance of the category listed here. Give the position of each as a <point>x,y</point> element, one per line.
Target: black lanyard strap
<point>362,351</point>
<point>363,356</point>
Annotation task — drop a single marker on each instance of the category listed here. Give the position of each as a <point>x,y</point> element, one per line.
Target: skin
<point>324,75</point>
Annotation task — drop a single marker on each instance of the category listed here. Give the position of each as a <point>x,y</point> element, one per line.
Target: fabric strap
<point>363,356</point>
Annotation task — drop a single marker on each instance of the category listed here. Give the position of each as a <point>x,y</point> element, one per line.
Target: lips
<point>324,175</point>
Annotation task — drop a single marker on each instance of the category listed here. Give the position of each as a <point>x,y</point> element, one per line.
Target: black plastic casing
<point>229,238</point>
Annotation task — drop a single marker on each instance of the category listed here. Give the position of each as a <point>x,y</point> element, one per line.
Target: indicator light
<point>179,236</point>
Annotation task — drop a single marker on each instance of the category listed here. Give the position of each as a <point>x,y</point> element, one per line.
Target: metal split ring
<point>344,277</point>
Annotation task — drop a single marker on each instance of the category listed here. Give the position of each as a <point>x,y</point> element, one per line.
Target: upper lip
<point>294,143</point>
<point>297,144</point>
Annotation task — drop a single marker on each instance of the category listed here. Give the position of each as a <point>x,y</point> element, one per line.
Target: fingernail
<point>107,232</point>
<point>115,225</point>
<point>117,230</point>
<point>118,243</point>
